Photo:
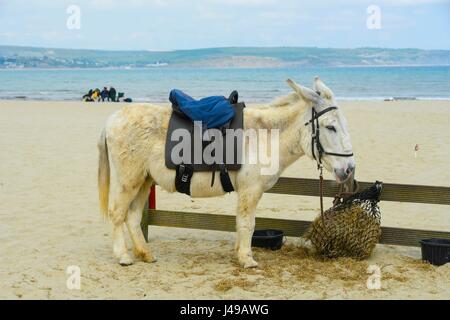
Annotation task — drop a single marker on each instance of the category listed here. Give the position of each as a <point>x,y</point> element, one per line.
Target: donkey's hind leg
<point>118,215</point>
<point>119,247</point>
<point>134,217</point>
<point>245,226</point>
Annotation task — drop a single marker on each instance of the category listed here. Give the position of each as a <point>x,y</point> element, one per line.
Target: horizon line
<point>221,47</point>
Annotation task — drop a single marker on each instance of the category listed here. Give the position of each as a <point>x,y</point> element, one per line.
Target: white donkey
<point>134,138</point>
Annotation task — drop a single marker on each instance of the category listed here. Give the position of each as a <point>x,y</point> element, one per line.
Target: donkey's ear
<point>306,93</point>
<point>322,89</point>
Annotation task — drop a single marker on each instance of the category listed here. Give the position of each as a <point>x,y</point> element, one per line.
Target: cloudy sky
<point>180,24</point>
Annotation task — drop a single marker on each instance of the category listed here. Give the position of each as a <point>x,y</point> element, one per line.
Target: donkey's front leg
<point>245,226</point>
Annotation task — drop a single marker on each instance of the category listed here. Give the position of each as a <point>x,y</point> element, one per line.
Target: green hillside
<point>29,57</point>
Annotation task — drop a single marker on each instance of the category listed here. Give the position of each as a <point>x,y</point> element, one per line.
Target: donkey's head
<point>325,137</point>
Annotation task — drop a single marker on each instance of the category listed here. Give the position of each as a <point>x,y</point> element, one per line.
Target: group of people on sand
<point>104,95</point>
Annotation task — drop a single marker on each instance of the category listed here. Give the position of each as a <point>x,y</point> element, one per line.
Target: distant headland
<point>16,57</point>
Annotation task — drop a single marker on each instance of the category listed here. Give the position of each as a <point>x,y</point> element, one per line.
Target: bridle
<point>315,143</point>
<point>315,137</point>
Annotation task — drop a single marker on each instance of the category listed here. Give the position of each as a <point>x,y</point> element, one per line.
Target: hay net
<point>351,228</point>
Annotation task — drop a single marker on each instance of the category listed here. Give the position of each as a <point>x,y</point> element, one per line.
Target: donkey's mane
<point>278,114</point>
<point>284,101</point>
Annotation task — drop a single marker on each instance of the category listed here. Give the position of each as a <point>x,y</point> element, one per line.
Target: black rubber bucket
<point>436,251</point>
<point>269,239</point>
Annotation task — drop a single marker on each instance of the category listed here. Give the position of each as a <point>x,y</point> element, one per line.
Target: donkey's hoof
<point>144,256</point>
<point>150,259</point>
<point>125,260</point>
<point>249,263</point>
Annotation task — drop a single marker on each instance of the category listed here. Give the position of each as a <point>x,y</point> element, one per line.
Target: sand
<point>49,218</point>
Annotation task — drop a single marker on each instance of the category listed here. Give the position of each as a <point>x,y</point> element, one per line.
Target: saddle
<point>213,112</point>
<point>199,127</point>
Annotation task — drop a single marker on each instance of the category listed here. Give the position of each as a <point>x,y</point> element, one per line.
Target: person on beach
<point>88,96</point>
<point>104,94</point>
<point>112,94</point>
<point>96,95</point>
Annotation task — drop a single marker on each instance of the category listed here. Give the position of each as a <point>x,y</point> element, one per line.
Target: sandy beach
<point>49,216</point>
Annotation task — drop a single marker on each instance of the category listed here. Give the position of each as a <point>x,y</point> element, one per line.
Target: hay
<point>418,264</point>
<point>298,264</point>
<point>347,232</point>
<point>298,267</point>
<point>294,266</point>
<point>225,285</point>
<point>350,229</point>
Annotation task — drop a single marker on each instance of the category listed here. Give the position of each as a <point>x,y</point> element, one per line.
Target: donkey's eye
<point>331,128</point>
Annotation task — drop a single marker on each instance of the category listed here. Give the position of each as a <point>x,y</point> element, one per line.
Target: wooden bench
<point>295,228</point>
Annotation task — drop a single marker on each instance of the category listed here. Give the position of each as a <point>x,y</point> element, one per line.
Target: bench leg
<point>150,205</point>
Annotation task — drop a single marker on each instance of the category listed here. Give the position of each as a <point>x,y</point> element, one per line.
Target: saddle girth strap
<point>225,180</point>
<point>183,178</point>
<point>184,173</point>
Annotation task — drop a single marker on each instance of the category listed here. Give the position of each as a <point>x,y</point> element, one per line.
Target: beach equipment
<point>351,228</point>
<point>436,251</point>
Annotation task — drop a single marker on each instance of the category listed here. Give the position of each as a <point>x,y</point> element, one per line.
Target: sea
<point>253,84</point>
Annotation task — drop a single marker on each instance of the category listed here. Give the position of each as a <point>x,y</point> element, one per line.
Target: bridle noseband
<point>315,137</point>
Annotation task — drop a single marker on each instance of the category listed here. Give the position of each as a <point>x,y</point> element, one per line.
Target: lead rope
<point>322,215</point>
<point>321,191</point>
<point>341,196</point>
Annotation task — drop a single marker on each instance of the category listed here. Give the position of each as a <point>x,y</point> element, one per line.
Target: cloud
<point>241,3</point>
<point>415,2</point>
<point>111,4</point>
<point>8,34</point>
<point>174,24</point>
<point>393,2</point>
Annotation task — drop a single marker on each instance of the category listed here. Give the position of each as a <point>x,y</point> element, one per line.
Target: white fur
<point>134,138</point>
<point>324,91</point>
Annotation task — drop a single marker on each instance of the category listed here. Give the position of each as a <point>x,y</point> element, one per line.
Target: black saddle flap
<point>178,121</point>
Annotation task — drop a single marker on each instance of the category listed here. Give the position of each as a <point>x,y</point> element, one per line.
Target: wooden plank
<point>391,191</point>
<point>145,221</point>
<point>409,237</point>
<point>292,228</point>
<point>310,187</point>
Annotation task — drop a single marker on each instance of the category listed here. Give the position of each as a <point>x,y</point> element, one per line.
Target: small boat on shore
<point>400,98</point>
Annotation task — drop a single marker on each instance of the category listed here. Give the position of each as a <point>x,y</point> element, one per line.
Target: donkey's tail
<point>103,175</point>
